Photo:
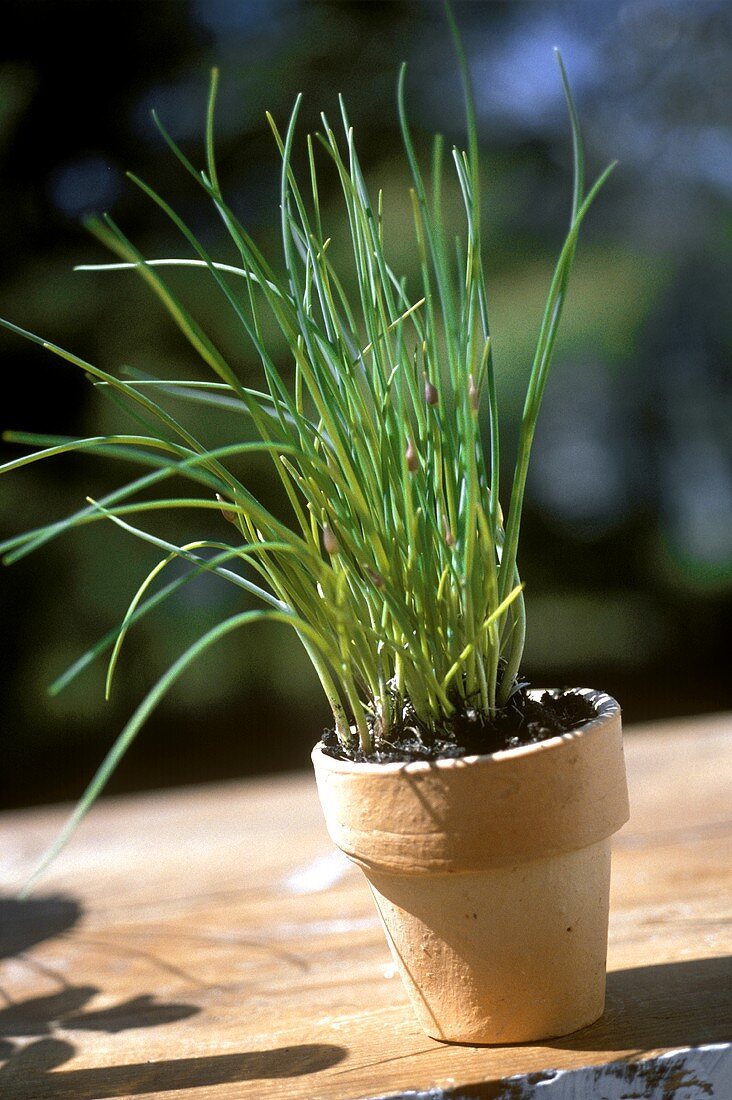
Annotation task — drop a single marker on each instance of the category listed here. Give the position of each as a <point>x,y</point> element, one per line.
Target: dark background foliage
<point>627,546</point>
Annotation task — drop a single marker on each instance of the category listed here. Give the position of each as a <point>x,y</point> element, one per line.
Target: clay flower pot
<point>491,875</point>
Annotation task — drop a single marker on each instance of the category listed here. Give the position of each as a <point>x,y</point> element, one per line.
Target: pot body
<point>491,875</point>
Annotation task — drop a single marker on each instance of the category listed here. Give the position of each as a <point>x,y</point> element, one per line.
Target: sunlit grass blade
<point>212,565</point>
<point>142,713</point>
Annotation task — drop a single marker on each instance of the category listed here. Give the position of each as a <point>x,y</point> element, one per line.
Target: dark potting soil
<point>468,732</point>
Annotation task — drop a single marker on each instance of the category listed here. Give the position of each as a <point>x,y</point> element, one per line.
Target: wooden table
<point>208,943</point>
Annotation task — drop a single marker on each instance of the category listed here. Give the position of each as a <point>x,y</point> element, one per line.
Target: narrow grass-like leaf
<point>394,564</point>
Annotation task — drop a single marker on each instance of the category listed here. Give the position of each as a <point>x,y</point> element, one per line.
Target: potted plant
<point>480,811</point>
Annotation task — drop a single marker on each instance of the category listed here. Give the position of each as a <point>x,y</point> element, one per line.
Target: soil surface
<point>523,721</point>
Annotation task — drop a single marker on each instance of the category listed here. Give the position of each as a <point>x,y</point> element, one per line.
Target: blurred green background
<point>627,544</point>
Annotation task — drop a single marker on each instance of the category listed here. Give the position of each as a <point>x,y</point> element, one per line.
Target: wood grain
<point>208,944</point>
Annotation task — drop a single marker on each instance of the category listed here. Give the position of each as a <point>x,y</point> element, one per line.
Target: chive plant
<point>398,568</point>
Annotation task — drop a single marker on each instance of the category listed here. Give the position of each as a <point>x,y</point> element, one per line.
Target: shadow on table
<point>674,1004</point>
<point>25,923</point>
<point>30,1071</point>
<point>36,1017</point>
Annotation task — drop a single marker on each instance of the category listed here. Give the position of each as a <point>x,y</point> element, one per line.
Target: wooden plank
<point>208,944</point>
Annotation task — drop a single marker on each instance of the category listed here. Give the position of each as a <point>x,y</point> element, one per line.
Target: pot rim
<point>606,707</point>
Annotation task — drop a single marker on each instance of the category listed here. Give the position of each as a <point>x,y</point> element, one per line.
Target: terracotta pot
<point>491,875</point>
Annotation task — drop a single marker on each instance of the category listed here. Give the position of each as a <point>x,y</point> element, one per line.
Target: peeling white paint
<point>692,1073</point>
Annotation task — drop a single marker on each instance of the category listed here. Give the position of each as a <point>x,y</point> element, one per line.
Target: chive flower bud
<point>330,542</point>
<point>228,515</point>
<point>473,394</point>
<point>430,393</point>
<point>411,456</point>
